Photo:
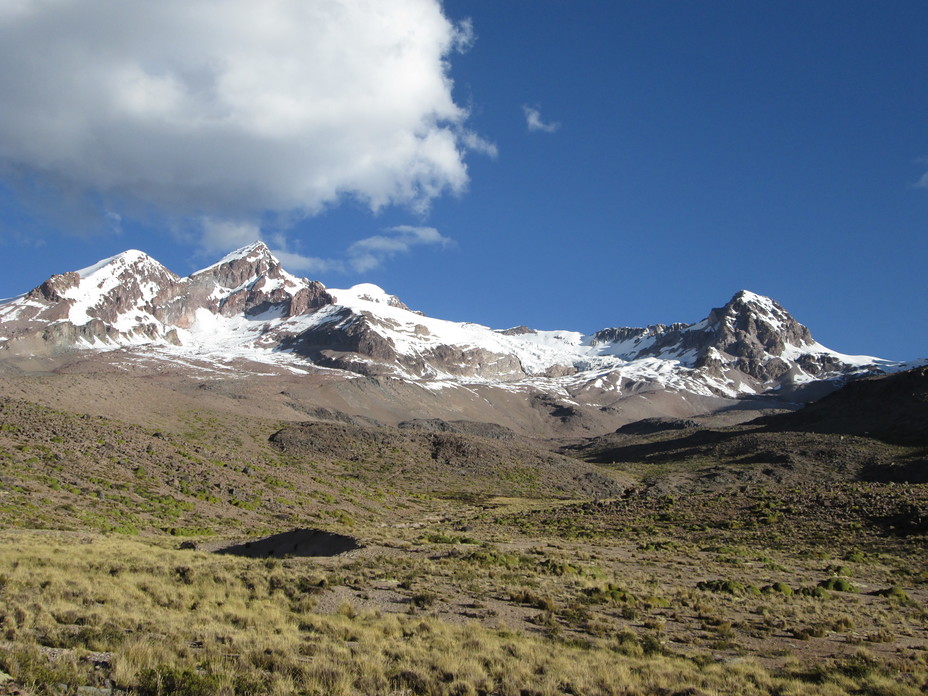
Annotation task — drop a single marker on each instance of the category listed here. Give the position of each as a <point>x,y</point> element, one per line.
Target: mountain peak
<point>759,334</point>
<point>755,301</point>
<point>256,247</point>
<point>748,296</point>
<point>759,308</point>
<point>251,280</point>
<point>253,253</point>
<point>244,266</point>
<point>131,258</point>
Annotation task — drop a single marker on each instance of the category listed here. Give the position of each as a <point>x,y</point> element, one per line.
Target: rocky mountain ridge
<point>754,331</point>
<point>246,310</point>
<point>132,299</point>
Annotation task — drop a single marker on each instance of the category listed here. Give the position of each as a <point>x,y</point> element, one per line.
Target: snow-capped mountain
<point>131,299</point>
<point>246,309</point>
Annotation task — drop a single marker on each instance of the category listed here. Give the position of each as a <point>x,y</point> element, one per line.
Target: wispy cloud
<point>298,263</point>
<point>476,143</point>
<point>361,256</point>
<point>371,252</point>
<point>535,123</point>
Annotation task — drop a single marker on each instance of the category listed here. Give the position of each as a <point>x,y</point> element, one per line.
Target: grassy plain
<point>470,579</point>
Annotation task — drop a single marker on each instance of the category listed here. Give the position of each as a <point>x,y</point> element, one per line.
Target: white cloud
<point>225,109</point>
<point>298,263</point>
<point>476,143</point>
<point>367,254</point>
<point>216,235</point>
<point>223,235</point>
<point>535,123</point>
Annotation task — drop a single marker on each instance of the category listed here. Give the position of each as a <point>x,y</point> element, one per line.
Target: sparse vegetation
<point>481,585</point>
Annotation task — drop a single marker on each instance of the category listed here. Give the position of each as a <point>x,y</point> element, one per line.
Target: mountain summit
<point>246,310</point>
<point>132,300</point>
<point>751,333</point>
<point>250,281</point>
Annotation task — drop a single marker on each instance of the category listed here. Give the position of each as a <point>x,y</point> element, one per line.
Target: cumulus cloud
<point>534,121</point>
<point>367,254</point>
<point>222,110</point>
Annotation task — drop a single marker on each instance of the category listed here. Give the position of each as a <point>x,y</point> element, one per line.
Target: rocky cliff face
<point>252,283</point>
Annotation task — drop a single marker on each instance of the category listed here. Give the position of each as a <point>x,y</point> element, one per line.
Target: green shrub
<point>33,669</point>
<point>558,568</point>
<point>838,585</point>
<point>894,592</point>
<point>525,596</point>
<point>659,546</point>
<point>489,556</point>
<point>807,632</point>
<point>608,593</point>
<point>442,538</point>
<point>854,556</point>
<point>627,643</point>
<point>778,588</point>
<point>732,587</point>
<point>423,599</point>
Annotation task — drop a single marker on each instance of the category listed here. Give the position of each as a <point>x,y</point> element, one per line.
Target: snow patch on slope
<point>365,293</point>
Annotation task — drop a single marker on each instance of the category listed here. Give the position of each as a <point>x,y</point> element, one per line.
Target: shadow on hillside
<point>674,448</point>
<point>295,543</point>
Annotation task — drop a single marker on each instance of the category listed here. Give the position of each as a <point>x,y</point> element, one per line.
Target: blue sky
<point>681,151</point>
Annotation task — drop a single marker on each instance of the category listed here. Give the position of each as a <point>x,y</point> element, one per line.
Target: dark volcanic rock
<point>347,332</point>
<point>51,290</point>
<point>566,413</point>
<point>331,414</point>
<point>518,331</point>
<point>892,408</point>
<point>625,333</point>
